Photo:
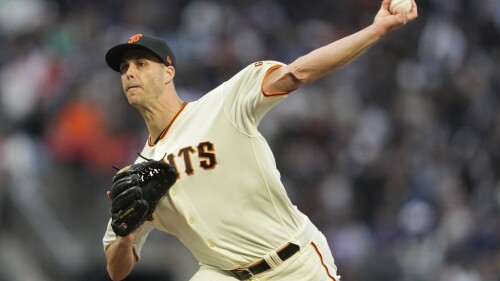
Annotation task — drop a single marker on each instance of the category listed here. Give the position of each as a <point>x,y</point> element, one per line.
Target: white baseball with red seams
<point>405,4</point>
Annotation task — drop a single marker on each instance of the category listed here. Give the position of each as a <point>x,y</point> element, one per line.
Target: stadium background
<point>395,157</point>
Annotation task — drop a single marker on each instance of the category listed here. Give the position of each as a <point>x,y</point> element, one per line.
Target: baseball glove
<point>135,192</point>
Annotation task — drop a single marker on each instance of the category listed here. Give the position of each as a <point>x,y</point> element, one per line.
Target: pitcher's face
<point>142,76</point>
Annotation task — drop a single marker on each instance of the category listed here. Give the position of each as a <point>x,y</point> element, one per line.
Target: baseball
<point>405,4</point>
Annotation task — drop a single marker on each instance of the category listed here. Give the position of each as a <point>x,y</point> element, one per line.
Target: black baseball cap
<point>151,44</point>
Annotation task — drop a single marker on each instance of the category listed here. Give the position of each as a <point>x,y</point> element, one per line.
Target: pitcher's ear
<point>170,72</point>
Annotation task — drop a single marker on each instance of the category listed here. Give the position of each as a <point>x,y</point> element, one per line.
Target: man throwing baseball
<point>227,204</point>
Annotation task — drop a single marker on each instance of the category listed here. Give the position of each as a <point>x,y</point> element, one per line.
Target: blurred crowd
<point>395,157</point>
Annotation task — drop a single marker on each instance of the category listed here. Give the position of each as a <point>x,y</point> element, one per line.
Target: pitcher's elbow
<point>116,276</point>
<point>299,74</point>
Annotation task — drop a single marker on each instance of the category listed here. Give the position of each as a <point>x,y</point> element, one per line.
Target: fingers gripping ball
<point>135,192</point>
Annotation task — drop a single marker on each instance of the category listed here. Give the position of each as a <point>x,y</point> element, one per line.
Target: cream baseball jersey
<point>228,206</point>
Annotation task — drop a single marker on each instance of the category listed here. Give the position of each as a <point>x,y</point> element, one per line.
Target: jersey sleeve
<point>141,234</point>
<point>244,100</point>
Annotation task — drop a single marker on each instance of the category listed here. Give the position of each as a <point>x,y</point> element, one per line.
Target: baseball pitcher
<point>207,176</point>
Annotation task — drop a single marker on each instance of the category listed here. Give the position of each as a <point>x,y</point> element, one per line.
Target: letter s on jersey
<point>206,151</point>
<point>206,156</point>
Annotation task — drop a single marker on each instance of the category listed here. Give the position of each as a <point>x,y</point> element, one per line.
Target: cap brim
<point>115,54</point>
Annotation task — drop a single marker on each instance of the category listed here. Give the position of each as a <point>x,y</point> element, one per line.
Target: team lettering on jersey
<point>206,156</point>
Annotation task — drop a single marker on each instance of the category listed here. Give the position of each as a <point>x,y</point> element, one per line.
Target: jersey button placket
<point>173,192</point>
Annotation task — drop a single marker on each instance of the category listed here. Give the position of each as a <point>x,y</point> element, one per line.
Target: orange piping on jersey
<point>162,135</point>
<point>265,77</point>
<point>322,262</point>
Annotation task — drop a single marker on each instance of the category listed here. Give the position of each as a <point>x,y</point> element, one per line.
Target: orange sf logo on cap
<point>169,60</point>
<point>134,38</point>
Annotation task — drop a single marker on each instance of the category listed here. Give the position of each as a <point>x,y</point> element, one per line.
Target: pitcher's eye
<point>123,68</point>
